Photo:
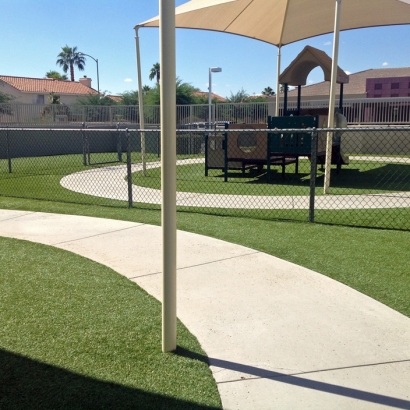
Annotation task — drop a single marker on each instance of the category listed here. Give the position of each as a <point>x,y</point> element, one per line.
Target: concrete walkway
<point>110,182</point>
<point>278,336</point>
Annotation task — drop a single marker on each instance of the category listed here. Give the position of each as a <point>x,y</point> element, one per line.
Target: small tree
<point>239,97</point>
<point>56,75</point>
<point>268,91</point>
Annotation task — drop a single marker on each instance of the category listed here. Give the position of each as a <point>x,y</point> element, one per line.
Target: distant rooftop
<point>356,84</point>
<point>47,85</point>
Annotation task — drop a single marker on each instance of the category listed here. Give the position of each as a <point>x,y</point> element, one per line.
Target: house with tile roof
<point>39,90</point>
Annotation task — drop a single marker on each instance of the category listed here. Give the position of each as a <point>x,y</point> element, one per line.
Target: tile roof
<point>47,85</point>
<point>356,84</point>
<point>116,98</point>
<point>214,96</point>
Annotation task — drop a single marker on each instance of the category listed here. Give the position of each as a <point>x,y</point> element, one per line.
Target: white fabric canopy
<point>282,22</point>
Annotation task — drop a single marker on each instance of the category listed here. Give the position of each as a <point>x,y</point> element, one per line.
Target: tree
<point>70,57</point>
<point>129,98</point>
<point>282,88</point>
<point>56,75</point>
<point>268,91</point>
<point>185,94</point>
<point>155,72</point>
<point>239,97</point>
<point>5,98</point>
<point>95,99</point>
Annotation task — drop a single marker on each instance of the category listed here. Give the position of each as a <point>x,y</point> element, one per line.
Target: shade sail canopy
<point>281,22</point>
<point>308,59</point>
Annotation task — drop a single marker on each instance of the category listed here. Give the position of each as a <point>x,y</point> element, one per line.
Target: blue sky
<point>33,32</point>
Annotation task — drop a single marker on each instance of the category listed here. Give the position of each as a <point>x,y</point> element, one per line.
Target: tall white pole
<point>168,173</point>
<point>277,82</point>
<point>331,116</point>
<point>210,98</point>
<point>140,103</point>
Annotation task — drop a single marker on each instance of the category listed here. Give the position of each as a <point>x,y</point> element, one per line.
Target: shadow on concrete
<point>294,380</point>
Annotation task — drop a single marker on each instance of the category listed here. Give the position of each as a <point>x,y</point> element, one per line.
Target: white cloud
<point>328,43</point>
<point>348,72</point>
<point>128,80</point>
<point>310,82</point>
<point>385,64</point>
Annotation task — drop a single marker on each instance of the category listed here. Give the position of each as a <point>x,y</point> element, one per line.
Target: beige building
<point>354,89</point>
<point>39,90</point>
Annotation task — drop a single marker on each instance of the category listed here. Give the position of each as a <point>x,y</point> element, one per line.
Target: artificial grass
<point>360,177</point>
<point>77,335</point>
<point>39,178</point>
<point>373,261</point>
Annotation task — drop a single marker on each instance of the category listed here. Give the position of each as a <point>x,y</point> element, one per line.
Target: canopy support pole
<point>277,82</point>
<point>140,103</point>
<point>168,174</point>
<point>331,116</point>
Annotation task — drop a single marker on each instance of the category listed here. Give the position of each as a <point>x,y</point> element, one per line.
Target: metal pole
<point>313,164</point>
<point>331,117</point>
<point>98,78</point>
<point>129,173</point>
<point>8,150</point>
<point>277,82</point>
<point>168,174</point>
<point>140,103</point>
<point>210,99</point>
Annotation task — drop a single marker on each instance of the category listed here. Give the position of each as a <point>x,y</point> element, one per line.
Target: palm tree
<point>268,91</point>
<point>155,72</point>
<point>70,57</point>
<point>56,75</point>
<point>282,88</point>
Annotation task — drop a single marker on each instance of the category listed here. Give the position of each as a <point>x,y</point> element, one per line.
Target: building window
<point>378,86</point>
<point>394,95</point>
<point>409,85</point>
<point>395,86</point>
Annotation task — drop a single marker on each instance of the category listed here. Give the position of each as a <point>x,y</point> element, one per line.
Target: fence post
<point>119,146</point>
<point>84,144</point>
<point>129,173</point>
<point>313,164</point>
<point>8,149</point>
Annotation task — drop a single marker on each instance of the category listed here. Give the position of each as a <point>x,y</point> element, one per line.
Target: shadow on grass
<point>29,384</point>
<point>389,177</point>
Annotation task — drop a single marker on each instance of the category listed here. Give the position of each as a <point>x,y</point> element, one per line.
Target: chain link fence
<point>248,171</point>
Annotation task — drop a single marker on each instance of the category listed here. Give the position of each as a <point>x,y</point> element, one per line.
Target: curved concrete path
<point>278,336</point>
<point>109,182</point>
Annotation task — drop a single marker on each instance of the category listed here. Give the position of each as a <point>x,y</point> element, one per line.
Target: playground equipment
<point>253,148</point>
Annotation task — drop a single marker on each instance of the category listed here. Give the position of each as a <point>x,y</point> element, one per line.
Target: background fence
<point>245,172</point>
<point>357,111</point>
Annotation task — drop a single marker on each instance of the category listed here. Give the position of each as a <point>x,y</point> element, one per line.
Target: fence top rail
<point>214,131</point>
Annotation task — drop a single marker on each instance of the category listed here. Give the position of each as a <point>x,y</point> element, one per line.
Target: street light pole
<point>211,70</point>
<point>98,75</point>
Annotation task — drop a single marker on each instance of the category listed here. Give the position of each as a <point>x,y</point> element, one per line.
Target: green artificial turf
<point>77,335</point>
<point>360,177</point>
<point>373,261</point>
<point>39,178</point>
